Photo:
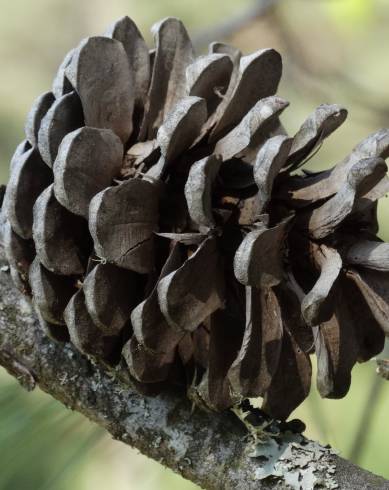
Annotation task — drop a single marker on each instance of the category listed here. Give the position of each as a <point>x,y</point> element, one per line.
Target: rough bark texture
<point>209,449</point>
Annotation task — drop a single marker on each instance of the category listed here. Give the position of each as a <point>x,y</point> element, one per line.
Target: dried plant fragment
<point>131,209</point>
<point>198,190</point>
<point>100,73</point>
<point>35,116</point>
<point>30,175</point>
<point>208,77</point>
<point>235,56</point>
<point>63,117</point>
<point>184,238</point>
<point>110,295</point>
<point>138,155</point>
<point>88,158</point>
<point>383,368</point>
<point>223,48</point>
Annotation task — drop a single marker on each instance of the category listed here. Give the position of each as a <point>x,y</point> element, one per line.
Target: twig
<point>366,419</point>
<point>367,416</point>
<point>303,71</point>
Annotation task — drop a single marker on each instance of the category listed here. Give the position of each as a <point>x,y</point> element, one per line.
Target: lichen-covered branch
<point>209,449</point>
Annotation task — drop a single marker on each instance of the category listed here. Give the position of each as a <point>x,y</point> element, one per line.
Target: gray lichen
<point>300,463</point>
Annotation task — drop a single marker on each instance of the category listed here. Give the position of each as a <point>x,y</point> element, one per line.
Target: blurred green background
<point>334,51</point>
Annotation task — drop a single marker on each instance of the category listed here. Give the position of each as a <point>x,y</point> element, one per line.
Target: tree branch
<point>209,449</point>
<point>231,26</point>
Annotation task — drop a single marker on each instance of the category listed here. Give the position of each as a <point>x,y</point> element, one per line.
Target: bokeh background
<point>333,51</point>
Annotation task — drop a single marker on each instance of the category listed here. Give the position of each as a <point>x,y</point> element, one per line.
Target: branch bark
<point>208,449</point>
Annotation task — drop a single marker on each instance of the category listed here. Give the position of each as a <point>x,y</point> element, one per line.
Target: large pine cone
<point>155,214</point>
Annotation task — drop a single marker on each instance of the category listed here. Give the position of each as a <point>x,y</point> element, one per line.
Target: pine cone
<point>155,214</point>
